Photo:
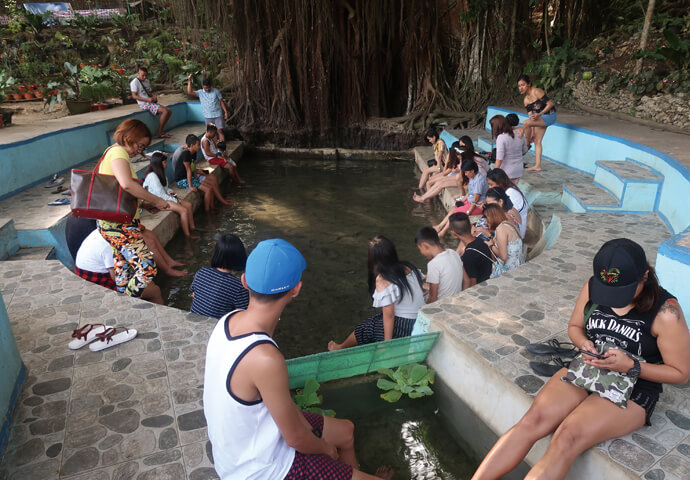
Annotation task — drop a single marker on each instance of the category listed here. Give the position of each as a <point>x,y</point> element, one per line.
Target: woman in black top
<point>637,315</point>
<point>542,114</point>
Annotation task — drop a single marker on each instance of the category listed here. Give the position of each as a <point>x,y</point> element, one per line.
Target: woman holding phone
<point>631,310</point>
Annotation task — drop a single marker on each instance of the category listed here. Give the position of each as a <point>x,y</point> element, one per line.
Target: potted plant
<point>97,93</point>
<point>6,81</point>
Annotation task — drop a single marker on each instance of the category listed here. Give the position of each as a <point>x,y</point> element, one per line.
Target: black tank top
<point>631,332</point>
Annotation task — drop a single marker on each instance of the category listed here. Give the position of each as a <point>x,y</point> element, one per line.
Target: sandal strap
<point>81,333</point>
<point>107,335</point>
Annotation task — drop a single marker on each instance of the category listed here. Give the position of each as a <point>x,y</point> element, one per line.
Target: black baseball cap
<point>619,266</point>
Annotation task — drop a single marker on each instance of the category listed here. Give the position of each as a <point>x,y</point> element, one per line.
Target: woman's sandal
<point>552,347</point>
<point>548,369</point>
<point>111,337</point>
<point>86,334</point>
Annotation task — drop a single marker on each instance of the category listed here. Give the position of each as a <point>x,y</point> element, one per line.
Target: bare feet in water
<point>386,472</point>
<point>334,346</point>
<point>171,272</point>
<point>417,198</point>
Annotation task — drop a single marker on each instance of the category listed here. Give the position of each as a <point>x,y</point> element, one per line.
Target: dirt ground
<point>31,111</point>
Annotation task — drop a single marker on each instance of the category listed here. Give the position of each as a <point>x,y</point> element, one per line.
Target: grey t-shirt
<point>445,270</point>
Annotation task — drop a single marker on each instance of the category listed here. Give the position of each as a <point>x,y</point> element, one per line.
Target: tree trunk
<point>645,33</point>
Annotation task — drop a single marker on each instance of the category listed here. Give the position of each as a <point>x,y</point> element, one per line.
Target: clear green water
<point>413,436</point>
<point>329,210</point>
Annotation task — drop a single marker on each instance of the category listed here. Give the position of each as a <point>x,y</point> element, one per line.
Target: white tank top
<point>211,146</point>
<point>247,444</point>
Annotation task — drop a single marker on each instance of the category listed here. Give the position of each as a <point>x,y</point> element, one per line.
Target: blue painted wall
<point>673,270</point>
<point>580,148</point>
<point>32,161</point>
<point>12,374</point>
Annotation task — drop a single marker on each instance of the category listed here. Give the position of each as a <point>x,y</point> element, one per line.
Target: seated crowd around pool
<point>255,428</point>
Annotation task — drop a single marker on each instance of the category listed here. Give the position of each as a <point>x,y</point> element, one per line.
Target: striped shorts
<point>371,329</point>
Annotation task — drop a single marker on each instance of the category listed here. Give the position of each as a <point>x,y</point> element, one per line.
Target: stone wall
<point>670,108</point>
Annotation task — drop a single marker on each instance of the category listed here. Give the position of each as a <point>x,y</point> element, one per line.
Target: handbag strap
<point>95,170</point>
<point>484,254</point>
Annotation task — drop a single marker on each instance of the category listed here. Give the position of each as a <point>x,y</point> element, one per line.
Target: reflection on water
<point>329,210</point>
<point>411,434</point>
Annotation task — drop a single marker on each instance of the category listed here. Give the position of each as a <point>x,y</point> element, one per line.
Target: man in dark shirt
<point>188,176</point>
<point>476,260</point>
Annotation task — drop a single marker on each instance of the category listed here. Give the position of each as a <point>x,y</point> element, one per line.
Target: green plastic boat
<point>360,359</point>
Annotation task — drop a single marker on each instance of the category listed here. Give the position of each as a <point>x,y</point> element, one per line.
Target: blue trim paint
<point>579,148</point>
<point>7,421</point>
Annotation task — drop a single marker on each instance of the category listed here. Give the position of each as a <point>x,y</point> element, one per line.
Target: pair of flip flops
<point>100,337</point>
<point>59,201</point>
<point>556,350</point>
<point>54,182</point>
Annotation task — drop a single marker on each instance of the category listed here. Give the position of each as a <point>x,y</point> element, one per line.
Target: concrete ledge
<point>9,244</point>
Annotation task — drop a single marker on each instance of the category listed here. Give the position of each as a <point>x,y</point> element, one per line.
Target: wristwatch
<point>635,370</point>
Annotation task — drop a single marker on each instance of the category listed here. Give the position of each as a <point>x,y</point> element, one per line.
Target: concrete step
<point>9,243</point>
<point>588,197</point>
<point>32,253</point>
<point>635,186</point>
<point>485,143</point>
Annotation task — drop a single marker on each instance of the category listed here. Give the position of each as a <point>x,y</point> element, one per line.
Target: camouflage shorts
<point>613,386</point>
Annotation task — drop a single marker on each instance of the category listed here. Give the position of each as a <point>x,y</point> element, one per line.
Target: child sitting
<point>215,155</point>
<point>216,290</point>
<point>444,270</point>
<point>155,182</point>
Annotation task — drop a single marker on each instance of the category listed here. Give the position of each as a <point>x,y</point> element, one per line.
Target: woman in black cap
<point>631,311</point>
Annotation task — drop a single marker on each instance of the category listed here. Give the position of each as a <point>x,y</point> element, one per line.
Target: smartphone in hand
<point>595,355</point>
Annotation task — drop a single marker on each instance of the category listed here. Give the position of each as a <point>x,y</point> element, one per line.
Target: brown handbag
<point>100,196</point>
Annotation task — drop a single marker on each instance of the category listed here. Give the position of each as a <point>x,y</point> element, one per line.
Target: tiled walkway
<point>134,411</point>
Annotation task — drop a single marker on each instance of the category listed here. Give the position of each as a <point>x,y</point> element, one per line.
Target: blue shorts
<point>196,182</point>
<point>549,118</point>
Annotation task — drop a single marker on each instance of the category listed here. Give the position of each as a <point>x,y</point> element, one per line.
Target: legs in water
<point>340,434</point>
<point>211,184</point>
<point>160,256</point>
<point>442,228</point>
<point>184,210</point>
<point>425,175</point>
<point>234,173</point>
<point>153,294</point>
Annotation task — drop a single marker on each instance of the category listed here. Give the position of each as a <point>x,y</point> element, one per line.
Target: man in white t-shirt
<point>142,93</point>
<point>94,262</point>
<point>444,270</point>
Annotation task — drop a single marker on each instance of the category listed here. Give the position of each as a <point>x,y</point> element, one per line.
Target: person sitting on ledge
<point>95,262</point>
<point>213,154</point>
<point>476,256</point>
<point>629,310</point>
<point>444,270</point>
<point>446,178</point>
<point>506,242</point>
<point>440,157</point>
<point>142,93</point>
<point>155,182</point>
<point>216,290</point>
<point>188,176</point>
<point>254,426</point>
<point>396,287</point>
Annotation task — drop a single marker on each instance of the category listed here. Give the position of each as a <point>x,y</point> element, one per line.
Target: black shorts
<point>646,399</point>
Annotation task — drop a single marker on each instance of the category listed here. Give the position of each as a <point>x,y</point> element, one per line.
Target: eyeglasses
<point>142,146</point>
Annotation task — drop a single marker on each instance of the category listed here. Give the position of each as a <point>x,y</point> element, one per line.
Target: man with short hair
<point>476,258</point>
<point>444,270</point>
<point>188,176</point>
<point>255,428</point>
<point>211,104</point>
<point>142,93</point>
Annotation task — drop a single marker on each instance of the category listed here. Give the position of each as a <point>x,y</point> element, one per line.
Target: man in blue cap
<point>254,426</point>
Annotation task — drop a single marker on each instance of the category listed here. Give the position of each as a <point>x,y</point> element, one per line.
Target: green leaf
<point>417,373</point>
<point>384,384</point>
<point>311,386</point>
<point>406,389</point>
<point>392,396</point>
<point>386,371</point>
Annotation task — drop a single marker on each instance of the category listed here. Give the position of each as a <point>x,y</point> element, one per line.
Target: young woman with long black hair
<point>396,287</point>
<point>155,183</point>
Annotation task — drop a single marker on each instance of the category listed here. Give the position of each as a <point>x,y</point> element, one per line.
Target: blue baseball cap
<point>274,266</point>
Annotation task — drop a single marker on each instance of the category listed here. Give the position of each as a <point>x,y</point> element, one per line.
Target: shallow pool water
<point>329,210</point>
<point>412,435</point>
